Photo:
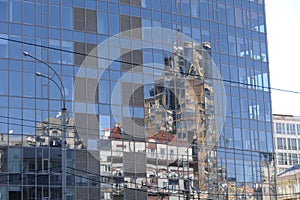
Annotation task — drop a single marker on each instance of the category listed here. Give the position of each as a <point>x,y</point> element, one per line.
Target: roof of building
<point>291,169</point>
<point>282,115</point>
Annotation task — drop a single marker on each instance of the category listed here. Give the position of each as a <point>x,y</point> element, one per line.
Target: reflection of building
<point>168,161</point>
<point>151,136</point>
<point>288,185</point>
<point>35,163</point>
<point>48,133</point>
<point>287,141</point>
<point>181,105</point>
<point>38,170</point>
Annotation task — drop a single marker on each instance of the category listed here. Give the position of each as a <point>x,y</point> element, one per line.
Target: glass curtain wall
<point>142,126</point>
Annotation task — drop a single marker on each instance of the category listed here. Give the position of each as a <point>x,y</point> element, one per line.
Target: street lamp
<point>63,117</point>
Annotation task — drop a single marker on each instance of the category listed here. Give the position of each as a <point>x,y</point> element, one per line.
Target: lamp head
<point>38,74</point>
<point>25,53</point>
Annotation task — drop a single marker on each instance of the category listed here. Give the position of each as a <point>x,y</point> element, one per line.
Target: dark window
<point>279,143</point>
<point>79,19</point>
<point>91,21</point>
<point>85,20</point>
<point>279,128</point>
<point>83,49</point>
<point>130,23</point>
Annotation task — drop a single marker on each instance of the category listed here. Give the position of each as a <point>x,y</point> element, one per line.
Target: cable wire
<point>136,64</point>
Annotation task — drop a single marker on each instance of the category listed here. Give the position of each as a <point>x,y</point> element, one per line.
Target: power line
<point>207,146</point>
<point>228,149</point>
<point>228,81</point>
<point>136,64</point>
<point>135,183</point>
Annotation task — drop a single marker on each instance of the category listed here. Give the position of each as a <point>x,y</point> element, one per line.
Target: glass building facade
<point>178,108</point>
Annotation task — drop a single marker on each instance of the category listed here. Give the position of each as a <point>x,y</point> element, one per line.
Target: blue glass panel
<point>4,120</point>
<point>104,94</point>
<point>204,9</point>
<point>67,55</point>
<point>42,32</point>
<point>54,1</point>
<point>157,24</point>
<point>29,12</point>
<point>186,21</point>
<point>146,23</point>
<point>67,18</point>
<point>167,25</point>
<point>146,4</point>
<point>15,48</point>
<point>177,19</point>
<point>16,29</point>
<point>54,33</point>
<point>115,75</point>
<point>29,102</point>
<point>4,64</point>
<point>124,9</point>
<point>68,84</point>
<point>115,66</point>
<point>146,13</point>
<point>104,122</point>
<point>79,3</point>
<point>4,101</point>
<point>167,17</point>
<point>54,55</point>
<point>66,35</point>
<point>102,6</point>
<point>116,93</point>
<point>3,47</point>
<point>3,10</point>
<point>135,11</point>
<point>15,83</point>
<point>156,15</point>
<point>67,2</point>
<point>38,14</point>
<point>28,47</point>
<point>186,8</point>
<point>29,126</point>
<point>45,14</point>
<point>4,85</point>
<point>55,102</point>
<point>4,27</point>
<point>187,31</point>
<point>139,112</point>
<point>195,12</point>
<point>113,8</point>
<point>54,16</point>
<point>28,82</point>
<point>166,5</point>
<point>114,24</point>
<point>102,22</point>
<point>16,14</point>
<point>29,30</point>
<point>79,36</point>
<point>156,5</point>
<point>104,109</point>
<point>91,5</point>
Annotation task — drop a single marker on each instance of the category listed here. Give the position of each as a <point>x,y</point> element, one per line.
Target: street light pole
<point>63,118</point>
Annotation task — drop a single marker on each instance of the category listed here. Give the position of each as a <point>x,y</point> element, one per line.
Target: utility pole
<point>61,88</point>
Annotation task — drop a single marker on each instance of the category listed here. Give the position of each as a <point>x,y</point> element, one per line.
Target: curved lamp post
<point>63,117</point>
